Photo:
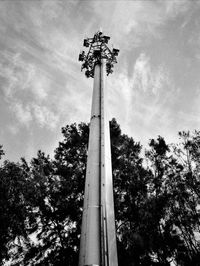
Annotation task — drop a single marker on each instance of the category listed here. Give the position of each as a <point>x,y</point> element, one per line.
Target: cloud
<point>142,73</point>
<point>32,112</point>
<point>26,89</point>
<point>44,116</point>
<point>40,76</point>
<point>144,102</point>
<point>13,129</point>
<point>146,79</point>
<point>133,20</point>
<point>7,73</point>
<point>139,22</point>
<point>120,94</point>
<point>20,76</point>
<point>22,113</point>
<point>175,7</point>
<point>40,85</point>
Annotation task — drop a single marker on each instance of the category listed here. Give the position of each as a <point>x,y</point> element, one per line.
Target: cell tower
<point>98,236</point>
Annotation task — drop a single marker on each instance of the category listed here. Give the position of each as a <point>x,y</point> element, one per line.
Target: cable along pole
<point>98,235</point>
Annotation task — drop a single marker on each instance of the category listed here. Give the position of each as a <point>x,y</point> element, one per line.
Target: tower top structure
<point>98,50</point>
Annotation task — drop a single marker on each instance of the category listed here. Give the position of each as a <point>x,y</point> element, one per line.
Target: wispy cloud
<point>25,89</point>
<point>29,112</point>
<point>175,7</point>
<point>146,79</point>
<point>120,93</point>
<point>142,73</point>
<point>20,76</point>
<point>137,21</point>
<point>41,83</point>
<point>22,113</point>
<point>143,103</point>
<point>44,116</point>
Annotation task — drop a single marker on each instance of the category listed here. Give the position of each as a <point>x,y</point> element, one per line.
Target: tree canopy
<point>156,199</point>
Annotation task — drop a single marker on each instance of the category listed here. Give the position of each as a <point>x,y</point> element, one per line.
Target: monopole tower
<point>98,236</point>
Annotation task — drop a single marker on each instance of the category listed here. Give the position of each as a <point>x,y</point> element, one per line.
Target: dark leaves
<point>156,205</point>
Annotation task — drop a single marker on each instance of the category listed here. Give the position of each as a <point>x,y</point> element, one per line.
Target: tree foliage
<point>156,201</point>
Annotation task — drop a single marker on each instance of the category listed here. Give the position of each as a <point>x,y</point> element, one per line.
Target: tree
<point>156,205</point>
<point>175,201</point>
<point>1,151</point>
<point>59,199</point>
<point>13,209</point>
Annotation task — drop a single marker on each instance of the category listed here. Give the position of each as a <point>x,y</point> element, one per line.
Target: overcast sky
<point>153,91</point>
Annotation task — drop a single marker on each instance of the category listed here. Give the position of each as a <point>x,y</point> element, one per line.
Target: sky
<point>153,91</point>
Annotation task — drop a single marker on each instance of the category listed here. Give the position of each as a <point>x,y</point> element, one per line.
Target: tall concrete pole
<point>98,237</point>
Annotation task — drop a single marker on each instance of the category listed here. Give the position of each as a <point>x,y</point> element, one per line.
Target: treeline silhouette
<point>157,197</point>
